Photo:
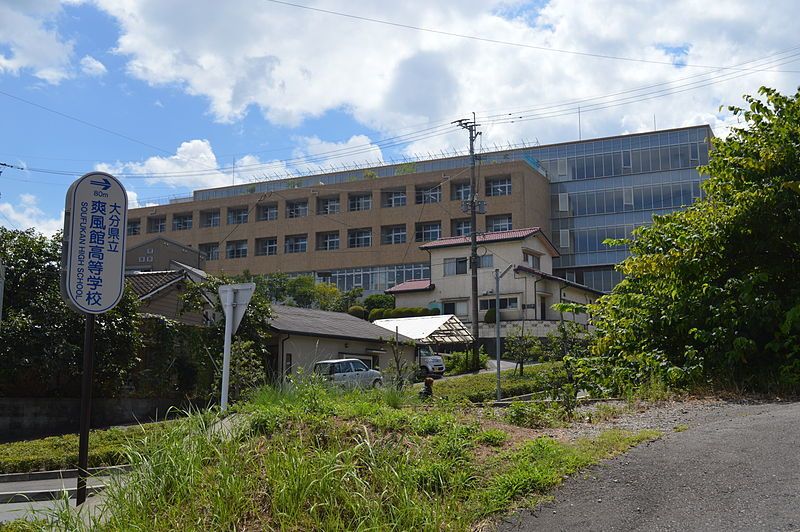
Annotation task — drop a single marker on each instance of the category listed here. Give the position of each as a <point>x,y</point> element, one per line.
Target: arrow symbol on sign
<point>105,183</point>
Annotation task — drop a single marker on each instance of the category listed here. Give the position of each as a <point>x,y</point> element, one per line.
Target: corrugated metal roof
<point>443,329</point>
<point>417,285</point>
<point>312,322</point>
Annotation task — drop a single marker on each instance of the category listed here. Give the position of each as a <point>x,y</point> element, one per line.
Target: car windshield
<point>425,351</point>
<point>359,366</point>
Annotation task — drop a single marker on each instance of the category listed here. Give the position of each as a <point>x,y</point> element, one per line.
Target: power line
<point>507,43</point>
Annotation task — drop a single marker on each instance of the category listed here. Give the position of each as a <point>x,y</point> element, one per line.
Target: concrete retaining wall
<point>23,418</point>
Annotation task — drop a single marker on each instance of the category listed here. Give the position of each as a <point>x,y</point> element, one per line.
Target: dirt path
<point>736,467</point>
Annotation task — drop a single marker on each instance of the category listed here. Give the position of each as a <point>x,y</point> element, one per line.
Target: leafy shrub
<point>540,379</point>
<point>379,301</point>
<point>458,363</point>
<point>358,311</point>
<point>376,314</point>
<point>247,371</point>
<point>491,316</point>
<point>534,414</point>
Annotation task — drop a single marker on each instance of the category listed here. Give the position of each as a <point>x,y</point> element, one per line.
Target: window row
<point>460,265</point>
<point>667,195</point>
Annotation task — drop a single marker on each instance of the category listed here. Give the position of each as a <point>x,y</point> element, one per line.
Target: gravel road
<point>736,467</point>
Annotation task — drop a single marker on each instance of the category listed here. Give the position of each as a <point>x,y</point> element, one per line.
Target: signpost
<point>2,288</point>
<point>92,274</point>
<point>234,299</point>
<point>497,277</point>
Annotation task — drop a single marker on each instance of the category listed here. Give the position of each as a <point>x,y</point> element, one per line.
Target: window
<point>428,194</point>
<point>267,246</point>
<point>457,266</point>
<point>506,303</point>
<point>210,250</point>
<point>532,260</point>
<point>627,196</point>
<point>359,202</point>
<point>236,249</point>
<point>328,205</point>
<point>209,218</point>
<point>461,228</point>
<point>563,238</point>
<point>157,224</point>
<point>295,244</point>
<point>134,227</point>
<point>486,261</point>
<point>455,307</point>
<point>563,202</point>
<point>328,241</point>
<point>359,238</point>
<point>428,231</point>
<point>267,212</point>
<point>460,191</point>
<point>393,234</point>
<point>181,222</point>
<point>237,215</point>
<point>498,186</point>
<point>500,222</point>
<point>393,198</point>
<point>297,209</point>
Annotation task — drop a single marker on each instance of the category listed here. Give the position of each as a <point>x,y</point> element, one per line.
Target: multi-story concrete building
<point>364,227</point>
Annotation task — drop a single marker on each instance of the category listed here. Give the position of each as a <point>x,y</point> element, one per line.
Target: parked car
<point>430,363</point>
<point>349,373</point>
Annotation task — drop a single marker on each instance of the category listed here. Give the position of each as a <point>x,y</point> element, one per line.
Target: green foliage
<point>61,452</point>
<point>522,347</point>
<point>459,362</point>
<point>405,168</point>
<point>535,414</point>
<point>490,316</point>
<point>370,174</point>
<point>376,314</point>
<point>246,371</point>
<point>41,338</point>
<point>358,311</point>
<point>492,437</point>
<point>539,379</point>
<point>379,301</point>
<point>409,312</point>
<point>711,292</point>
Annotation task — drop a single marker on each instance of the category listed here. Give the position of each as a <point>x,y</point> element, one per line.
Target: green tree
<point>522,347</point>
<point>41,338</point>
<point>711,292</point>
<point>376,301</point>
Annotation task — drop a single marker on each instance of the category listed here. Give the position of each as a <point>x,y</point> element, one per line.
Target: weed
<point>681,427</point>
<point>492,437</point>
<point>534,414</point>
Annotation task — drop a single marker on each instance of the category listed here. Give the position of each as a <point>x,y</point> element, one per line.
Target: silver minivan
<point>349,373</point>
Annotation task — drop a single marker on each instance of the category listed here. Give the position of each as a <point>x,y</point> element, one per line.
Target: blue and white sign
<point>93,254</point>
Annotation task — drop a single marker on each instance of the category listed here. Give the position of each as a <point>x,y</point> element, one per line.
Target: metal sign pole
<point>226,356</point>
<point>86,407</point>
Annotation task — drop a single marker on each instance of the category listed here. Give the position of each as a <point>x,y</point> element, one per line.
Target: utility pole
<point>472,128</point>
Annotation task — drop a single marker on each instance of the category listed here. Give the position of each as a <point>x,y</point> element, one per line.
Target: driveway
<point>736,468</point>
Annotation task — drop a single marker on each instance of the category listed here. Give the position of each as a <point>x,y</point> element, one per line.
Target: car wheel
<point>377,383</point>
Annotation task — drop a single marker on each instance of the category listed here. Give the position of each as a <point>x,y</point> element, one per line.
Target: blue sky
<point>196,85</point>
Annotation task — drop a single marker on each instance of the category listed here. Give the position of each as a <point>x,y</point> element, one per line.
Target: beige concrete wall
<point>528,205</point>
<point>157,255</point>
<point>306,350</point>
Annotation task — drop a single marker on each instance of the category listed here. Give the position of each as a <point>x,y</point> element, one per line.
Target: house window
<point>295,244</point>
<point>134,227</point>
<point>328,205</point>
<point>237,215</point>
<point>462,227</point>
<point>236,249</point>
<point>210,250</point>
<point>297,209</point>
<point>428,231</point>
<point>266,246</point>
<point>393,198</point>
<point>360,202</point>
<point>267,212</point>
<point>532,260</point>
<point>359,238</point>
<point>486,261</point>
<point>456,266</point>
<point>506,303</point>
<point>209,218</point>
<point>498,186</point>
<point>393,234</point>
<point>181,222</point>
<point>157,224</point>
<point>328,241</point>
<point>428,194</point>
<point>460,191</point>
<point>458,308</point>
<point>500,222</point>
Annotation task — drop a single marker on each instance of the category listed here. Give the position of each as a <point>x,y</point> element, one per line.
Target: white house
<point>527,291</point>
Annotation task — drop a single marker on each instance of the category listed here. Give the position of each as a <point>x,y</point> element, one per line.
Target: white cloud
<point>26,31</point>
<point>26,214</point>
<point>293,64</point>
<point>92,67</point>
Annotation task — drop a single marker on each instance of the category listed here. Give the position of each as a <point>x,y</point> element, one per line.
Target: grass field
<point>318,459</point>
